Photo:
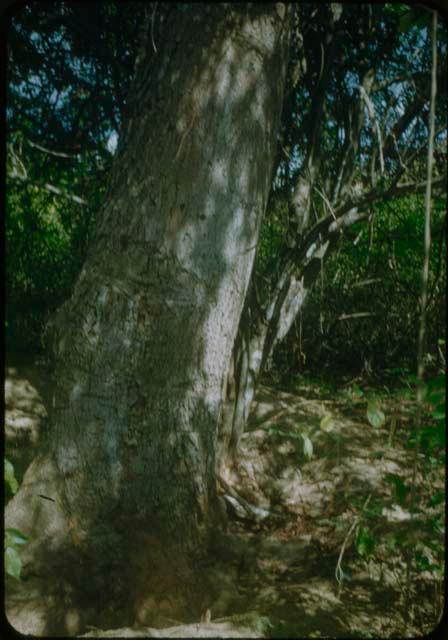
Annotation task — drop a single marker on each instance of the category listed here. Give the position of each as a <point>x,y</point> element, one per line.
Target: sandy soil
<point>285,566</point>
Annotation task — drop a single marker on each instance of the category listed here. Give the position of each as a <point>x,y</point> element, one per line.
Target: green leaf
<point>436,396</point>
<point>357,391</point>
<point>374,414</point>
<point>411,378</point>
<point>401,490</point>
<point>439,412</point>
<point>410,19</point>
<point>10,479</point>
<point>327,423</point>
<point>307,447</point>
<point>13,563</point>
<point>14,536</point>
<point>436,499</point>
<point>365,542</point>
<point>437,390</point>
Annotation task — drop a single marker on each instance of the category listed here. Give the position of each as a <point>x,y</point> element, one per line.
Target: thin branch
<point>326,200</point>
<point>58,154</point>
<point>394,191</point>
<point>49,187</point>
<point>339,574</point>
<point>424,289</point>
<point>152,27</point>
<point>360,314</point>
<point>375,125</point>
<point>64,194</point>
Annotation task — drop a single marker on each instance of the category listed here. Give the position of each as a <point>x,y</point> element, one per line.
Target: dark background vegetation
<point>68,75</point>
<point>70,66</point>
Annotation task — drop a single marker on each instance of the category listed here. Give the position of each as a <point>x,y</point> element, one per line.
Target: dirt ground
<point>297,568</point>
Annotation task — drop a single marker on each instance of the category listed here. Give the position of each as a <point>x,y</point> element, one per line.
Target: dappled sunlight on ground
<point>27,401</point>
<point>316,502</point>
<point>285,566</point>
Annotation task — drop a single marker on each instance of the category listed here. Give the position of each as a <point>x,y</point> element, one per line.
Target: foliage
<point>300,436</point>
<point>374,414</point>
<point>422,534</point>
<point>377,273</point>
<point>11,484</point>
<point>14,539</point>
<point>68,75</point>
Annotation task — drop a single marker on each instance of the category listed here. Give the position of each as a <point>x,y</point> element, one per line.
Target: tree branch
<point>394,191</point>
<point>49,187</point>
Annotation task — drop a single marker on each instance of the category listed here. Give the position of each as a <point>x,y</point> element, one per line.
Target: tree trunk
<point>261,329</point>
<point>142,349</point>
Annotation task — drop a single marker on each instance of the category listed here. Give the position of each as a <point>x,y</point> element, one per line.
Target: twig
<point>49,187</point>
<point>58,154</point>
<point>339,574</point>
<point>375,125</point>
<point>326,200</point>
<point>424,296</point>
<point>152,27</point>
<point>360,314</point>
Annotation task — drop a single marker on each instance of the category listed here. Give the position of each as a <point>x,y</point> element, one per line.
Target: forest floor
<point>330,559</point>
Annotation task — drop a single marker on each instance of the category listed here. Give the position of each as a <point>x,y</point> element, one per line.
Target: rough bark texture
<point>142,349</point>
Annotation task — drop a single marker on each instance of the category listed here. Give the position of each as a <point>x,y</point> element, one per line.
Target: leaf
<point>357,391</point>
<point>13,563</point>
<point>436,396</point>
<point>14,536</point>
<point>439,412</point>
<point>307,447</point>
<point>374,414</point>
<point>365,542</point>
<point>437,391</point>
<point>410,19</point>
<point>327,423</point>
<point>401,490</point>
<point>10,479</point>
<point>437,498</point>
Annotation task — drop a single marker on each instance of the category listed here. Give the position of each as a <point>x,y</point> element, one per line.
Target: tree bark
<point>261,329</point>
<point>142,349</point>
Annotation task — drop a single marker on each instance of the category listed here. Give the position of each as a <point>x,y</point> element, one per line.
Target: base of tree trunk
<point>124,575</point>
<point>239,626</point>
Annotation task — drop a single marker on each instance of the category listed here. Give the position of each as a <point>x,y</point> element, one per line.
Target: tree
<point>68,77</point>
<point>142,348</point>
<point>355,138</point>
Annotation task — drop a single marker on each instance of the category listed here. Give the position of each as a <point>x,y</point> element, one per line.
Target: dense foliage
<point>362,316</point>
<point>68,75</point>
<point>353,142</point>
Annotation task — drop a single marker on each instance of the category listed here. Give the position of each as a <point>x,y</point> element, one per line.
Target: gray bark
<point>341,192</point>
<point>143,346</point>
<point>260,332</point>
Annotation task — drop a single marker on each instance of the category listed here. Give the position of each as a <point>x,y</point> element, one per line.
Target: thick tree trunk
<point>143,347</point>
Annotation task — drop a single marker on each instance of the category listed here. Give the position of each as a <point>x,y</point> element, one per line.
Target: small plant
<point>14,538</point>
<point>374,413</point>
<point>296,436</point>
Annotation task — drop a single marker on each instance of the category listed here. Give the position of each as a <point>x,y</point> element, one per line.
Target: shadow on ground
<point>284,568</point>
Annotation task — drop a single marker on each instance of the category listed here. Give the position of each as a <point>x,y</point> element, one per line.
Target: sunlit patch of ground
<point>27,399</point>
<point>285,567</point>
<point>323,498</point>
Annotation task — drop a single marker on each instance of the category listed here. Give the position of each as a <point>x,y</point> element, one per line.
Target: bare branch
<point>58,154</point>
<point>360,314</point>
<point>394,191</point>
<point>375,125</point>
<point>48,187</point>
